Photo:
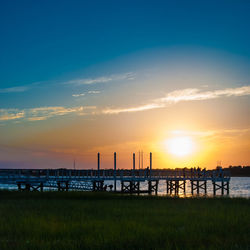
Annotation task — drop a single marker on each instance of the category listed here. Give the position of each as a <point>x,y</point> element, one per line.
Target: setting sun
<point>180,146</point>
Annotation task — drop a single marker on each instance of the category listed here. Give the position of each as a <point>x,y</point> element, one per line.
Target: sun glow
<point>180,146</point>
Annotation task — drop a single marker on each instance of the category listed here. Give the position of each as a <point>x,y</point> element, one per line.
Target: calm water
<point>239,187</point>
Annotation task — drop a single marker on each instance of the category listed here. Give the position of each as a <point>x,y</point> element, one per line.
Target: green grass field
<point>83,220</point>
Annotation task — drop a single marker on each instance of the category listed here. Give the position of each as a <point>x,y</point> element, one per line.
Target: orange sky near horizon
<point>136,111</point>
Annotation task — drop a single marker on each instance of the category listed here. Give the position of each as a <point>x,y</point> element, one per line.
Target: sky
<point>167,77</point>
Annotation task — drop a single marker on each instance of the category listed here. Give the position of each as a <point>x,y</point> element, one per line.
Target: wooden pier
<point>129,180</point>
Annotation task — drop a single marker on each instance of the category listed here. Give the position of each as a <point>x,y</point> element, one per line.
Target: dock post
<point>58,186</point>
<point>149,187</point>
<point>133,165</point>
<point>131,187</point>
<point>27,187</point>
<point>41,186</point>
<point>192,187</point>
<point>227,187</point>
<point>214,187</point>
<point>176,187</point>
<point>115,171</point>
<point>198,187</point>
<point>222,187</point>
<point>156,187</point>
<point>94,186</point>
<point>171,186</point>
<point>205,184</point>
<point>122,186</point>
<point>184,187</point>
<point>98,164</point>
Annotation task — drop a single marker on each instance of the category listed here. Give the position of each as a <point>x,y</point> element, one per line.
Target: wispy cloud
<point>15,89</point>
<point>89,92</point>
<point>11,114</point>
<point>181,96</point>
<point>42,113</point>
<point>78,95</point>
<point>102,79</point>
<point>94,92</point>
<point>76,82</point>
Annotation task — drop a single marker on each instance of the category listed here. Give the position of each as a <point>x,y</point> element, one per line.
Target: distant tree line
<point>239,170</point>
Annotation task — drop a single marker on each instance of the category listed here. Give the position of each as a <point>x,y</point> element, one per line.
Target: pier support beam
<point>130,187</point>
<point>98,185</point>
<point>153,186</point>
<point>174,186</point>
<point>24,186</point>
<point>198,185</point>
<point>221,185</point>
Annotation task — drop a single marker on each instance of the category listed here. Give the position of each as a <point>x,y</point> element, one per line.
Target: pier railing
<point>12,174</point>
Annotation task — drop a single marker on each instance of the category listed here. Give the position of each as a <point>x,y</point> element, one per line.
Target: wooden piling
<point>41,186</point>
<point>133,165</point>
<point>184,186</point>
<point>98,164</point>
<point>150,173</point>
<point>115,171</point>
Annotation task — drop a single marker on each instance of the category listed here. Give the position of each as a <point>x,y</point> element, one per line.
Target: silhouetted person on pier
<point>192,172</point>
<point>220,173</point>
<point>110,187</point>
<point>199,171</point>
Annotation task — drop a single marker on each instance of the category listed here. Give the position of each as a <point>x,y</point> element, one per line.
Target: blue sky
<point>132,70</point>
<point>45,40</point>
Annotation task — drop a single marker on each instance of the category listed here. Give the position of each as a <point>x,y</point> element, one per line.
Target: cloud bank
<point>183,95</point>
<point>103,79</point>
<point>42,113</point>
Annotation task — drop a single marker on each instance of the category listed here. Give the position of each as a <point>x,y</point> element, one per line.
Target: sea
<point>238,187</point>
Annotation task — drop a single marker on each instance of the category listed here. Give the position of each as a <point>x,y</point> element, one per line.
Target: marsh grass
<point>85,220</point>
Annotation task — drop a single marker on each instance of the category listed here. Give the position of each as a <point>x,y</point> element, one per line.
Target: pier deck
<point>129,179</point>
<point>66,179</point>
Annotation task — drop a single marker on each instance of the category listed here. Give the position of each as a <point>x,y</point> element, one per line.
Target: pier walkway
<point>129,180</point>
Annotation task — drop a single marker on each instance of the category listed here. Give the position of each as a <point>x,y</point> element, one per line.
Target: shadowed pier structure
<point>128,180</point>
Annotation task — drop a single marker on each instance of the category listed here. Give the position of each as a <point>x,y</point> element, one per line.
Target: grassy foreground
<point>82,220</point>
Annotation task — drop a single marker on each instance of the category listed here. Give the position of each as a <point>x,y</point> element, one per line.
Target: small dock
<point>119,180</point>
